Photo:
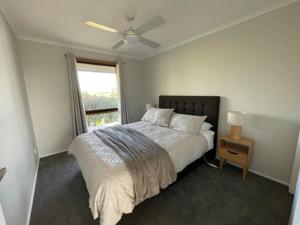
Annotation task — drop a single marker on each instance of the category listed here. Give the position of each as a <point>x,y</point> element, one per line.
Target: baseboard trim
<point>251,170</point>
<point>262,175</point>
<point>270,178</point>
<point>34,183</point>
<point>32,193</point>
<point>53,153</point>
<point>259,174</point>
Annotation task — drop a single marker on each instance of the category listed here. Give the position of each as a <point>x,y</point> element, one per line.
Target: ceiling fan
<point>131,35</point>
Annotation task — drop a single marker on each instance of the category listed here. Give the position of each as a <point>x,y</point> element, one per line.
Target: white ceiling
<point>62,21</point>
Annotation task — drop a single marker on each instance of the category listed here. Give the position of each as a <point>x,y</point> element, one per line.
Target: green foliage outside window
<point>101,119</point>
<point>100,101</point>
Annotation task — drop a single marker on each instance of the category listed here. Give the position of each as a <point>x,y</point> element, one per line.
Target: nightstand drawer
<point>233,156</point>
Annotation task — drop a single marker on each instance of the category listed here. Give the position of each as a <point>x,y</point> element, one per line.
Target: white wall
<point>255,67</point>
<point>16,134</point>
<point>45,72</point>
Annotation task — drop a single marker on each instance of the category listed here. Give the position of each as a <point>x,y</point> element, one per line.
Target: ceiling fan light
<point>99,26</point>
<point>131,38</point>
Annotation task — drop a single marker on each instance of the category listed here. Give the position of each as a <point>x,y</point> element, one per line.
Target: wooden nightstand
<point>236,151</point>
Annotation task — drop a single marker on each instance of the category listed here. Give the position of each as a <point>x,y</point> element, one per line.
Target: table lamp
<point>236,120</point>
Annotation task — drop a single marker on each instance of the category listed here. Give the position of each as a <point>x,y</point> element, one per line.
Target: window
<point>98,85</point>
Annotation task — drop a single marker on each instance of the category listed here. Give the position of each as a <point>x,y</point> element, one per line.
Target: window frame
<point>100,111</point>
<point>95,62</point>
<point>98,63</point>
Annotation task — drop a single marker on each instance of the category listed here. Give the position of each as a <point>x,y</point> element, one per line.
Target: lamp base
<point>235,132</point>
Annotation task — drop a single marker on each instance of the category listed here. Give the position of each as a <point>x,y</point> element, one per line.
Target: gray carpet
<point>205,196</point>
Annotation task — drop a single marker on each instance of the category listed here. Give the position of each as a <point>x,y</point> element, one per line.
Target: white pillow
<point>209,135</point>
<point>206,126</point>
<point>187,123</point>
<point>149,115</point>
<point>162,117</point>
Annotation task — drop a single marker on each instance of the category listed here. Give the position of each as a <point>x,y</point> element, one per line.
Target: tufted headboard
<point>196,105</point>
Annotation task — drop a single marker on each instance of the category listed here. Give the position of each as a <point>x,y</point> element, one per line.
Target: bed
<point>109,183</point>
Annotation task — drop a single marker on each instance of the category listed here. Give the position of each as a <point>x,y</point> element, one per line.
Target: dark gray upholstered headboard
<point>196,105</point>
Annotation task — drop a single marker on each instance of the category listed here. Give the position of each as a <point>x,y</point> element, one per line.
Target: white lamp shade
<point>235,118</point>
<point>148,106</point>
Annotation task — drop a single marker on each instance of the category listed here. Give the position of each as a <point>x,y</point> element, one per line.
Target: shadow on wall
<point>224,107</point>
<point>275,140</point>
<point>273,129</point>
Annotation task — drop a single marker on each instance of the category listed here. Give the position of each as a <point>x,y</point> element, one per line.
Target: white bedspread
<point>108,181</point>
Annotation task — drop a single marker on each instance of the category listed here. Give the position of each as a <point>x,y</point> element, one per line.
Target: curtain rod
<point>92,61</point>
<point>98,61</point>
<point>95,61</point>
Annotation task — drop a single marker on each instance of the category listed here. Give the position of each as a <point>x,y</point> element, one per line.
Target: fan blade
<point>100,26</point>
<point>120,43</point>
<point>149,43</point>
<point>150,25</point>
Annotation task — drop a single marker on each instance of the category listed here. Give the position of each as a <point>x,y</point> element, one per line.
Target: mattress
<point>107,179</point>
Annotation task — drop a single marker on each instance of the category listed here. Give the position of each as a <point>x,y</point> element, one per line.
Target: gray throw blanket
<point>148,163</point>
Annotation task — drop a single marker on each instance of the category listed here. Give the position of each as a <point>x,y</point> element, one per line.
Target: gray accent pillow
<point>162,117</point>
<point>187,123</point>
<point>149,115</point>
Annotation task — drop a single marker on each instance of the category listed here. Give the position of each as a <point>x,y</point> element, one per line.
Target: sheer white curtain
<point>121,91</point>
<point>78,113</point>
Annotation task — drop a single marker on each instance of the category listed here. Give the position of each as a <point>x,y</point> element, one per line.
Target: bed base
<point>199,106</point>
